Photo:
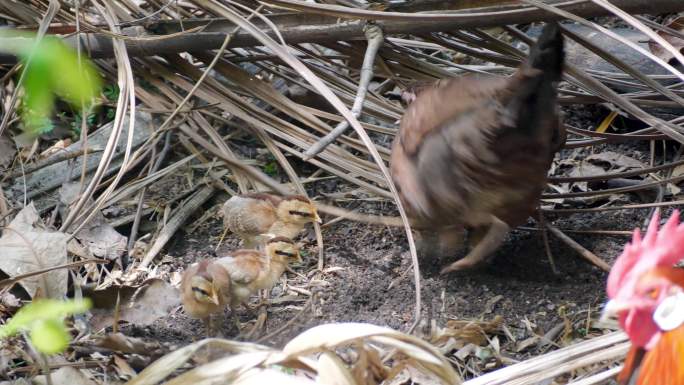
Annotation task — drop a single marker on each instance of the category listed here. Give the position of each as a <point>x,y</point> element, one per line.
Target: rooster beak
<point>612,309</point>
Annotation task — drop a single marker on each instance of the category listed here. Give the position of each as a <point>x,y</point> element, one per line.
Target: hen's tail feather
<point>548,54</point>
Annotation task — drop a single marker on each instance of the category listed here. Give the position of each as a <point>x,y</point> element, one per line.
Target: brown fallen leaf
<point>128,345</point>
<point>465,332</point>
<point>26,246</point>
<point>678,43</point>
<point>65,375</point>
<point>615,162</point>
<point>97,236</point>
<point>140,305</point>
<point>7,152</point>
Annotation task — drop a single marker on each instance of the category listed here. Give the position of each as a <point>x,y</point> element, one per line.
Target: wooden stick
<point>586,254</point>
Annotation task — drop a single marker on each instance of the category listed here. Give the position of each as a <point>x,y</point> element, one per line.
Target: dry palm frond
<point>343,353</point>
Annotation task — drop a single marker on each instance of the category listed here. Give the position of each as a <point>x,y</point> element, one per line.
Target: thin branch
<point>317,28</point>
<point>586,254</point>
<point>375,38</point>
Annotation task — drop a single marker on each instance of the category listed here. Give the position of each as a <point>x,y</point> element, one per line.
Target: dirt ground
<point>367,277</point>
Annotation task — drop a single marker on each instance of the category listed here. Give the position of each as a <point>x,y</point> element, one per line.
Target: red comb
<point>663,247</point>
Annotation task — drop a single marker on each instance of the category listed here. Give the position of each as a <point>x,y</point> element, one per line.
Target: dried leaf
<point>677,43</point>
<point>26,248</point>
<point>332,371</point>
<point>125,344</point>
<point>123,368</point>
<point>7,152</point>
<point>615,161</point>
<point>166,365</point>
<point>259,376</point>
<point>65,375</point>
<point>98,236</point>
<point>138,305</point>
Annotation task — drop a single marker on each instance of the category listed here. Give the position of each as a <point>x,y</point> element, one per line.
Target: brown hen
<point>473,152</point>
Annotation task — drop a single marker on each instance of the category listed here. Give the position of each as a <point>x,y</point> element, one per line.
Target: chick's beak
<point>214,297</point>
<point>317,218</point>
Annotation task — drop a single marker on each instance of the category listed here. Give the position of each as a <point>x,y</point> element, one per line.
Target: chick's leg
<point>234,317</point>
<point>209,326</point>
<point>495,234</point>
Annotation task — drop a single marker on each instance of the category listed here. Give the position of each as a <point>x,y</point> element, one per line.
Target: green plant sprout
<point>53,69</point>
<point>44,321</point>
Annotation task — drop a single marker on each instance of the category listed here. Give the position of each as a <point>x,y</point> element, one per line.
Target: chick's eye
<point>200,290</point>
<point>300,213</point>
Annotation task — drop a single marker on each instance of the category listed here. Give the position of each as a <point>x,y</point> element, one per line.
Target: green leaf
<point>54,69</point>
<point>111,92</point>
<point>271,168</point>
<point>41,310</point>
<point>49,336</point>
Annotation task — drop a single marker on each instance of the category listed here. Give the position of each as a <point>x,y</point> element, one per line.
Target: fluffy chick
<point>253,270</point>
<point>205,290</point>
<point>250,215</point>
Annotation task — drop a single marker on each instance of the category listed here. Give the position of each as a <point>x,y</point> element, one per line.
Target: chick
<point>205,290</point>
<point>208,286</point>
<point>253,270</point>
<point>473,152</point>
<point>250,215</point>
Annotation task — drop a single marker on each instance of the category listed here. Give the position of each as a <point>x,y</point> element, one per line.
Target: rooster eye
<point>653,293</point>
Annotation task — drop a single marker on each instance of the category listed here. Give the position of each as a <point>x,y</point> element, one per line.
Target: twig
<point>82,365</point>
<point>358,217</point>
<point>181,215</point>
<point>17,278</point>
<point>586,254</point>
<point>375,38</point>
<point>290,322</point>
<point>615,208</point>
<point>598,378</point>
<point>589,232</point>
<point>141,196</point>
<point>545,238</point>
<point>600,349</point>
<point>59,157</point>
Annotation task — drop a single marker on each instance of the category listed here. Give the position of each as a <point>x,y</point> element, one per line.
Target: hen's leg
<point>435,244</point>
<point>495,234</point>
<point>451,241</point>
<point>426,242</point>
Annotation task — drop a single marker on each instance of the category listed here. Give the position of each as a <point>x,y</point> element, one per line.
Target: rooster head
<point>643,277</point>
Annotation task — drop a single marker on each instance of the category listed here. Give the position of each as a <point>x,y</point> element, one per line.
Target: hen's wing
<point>478,146</point>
